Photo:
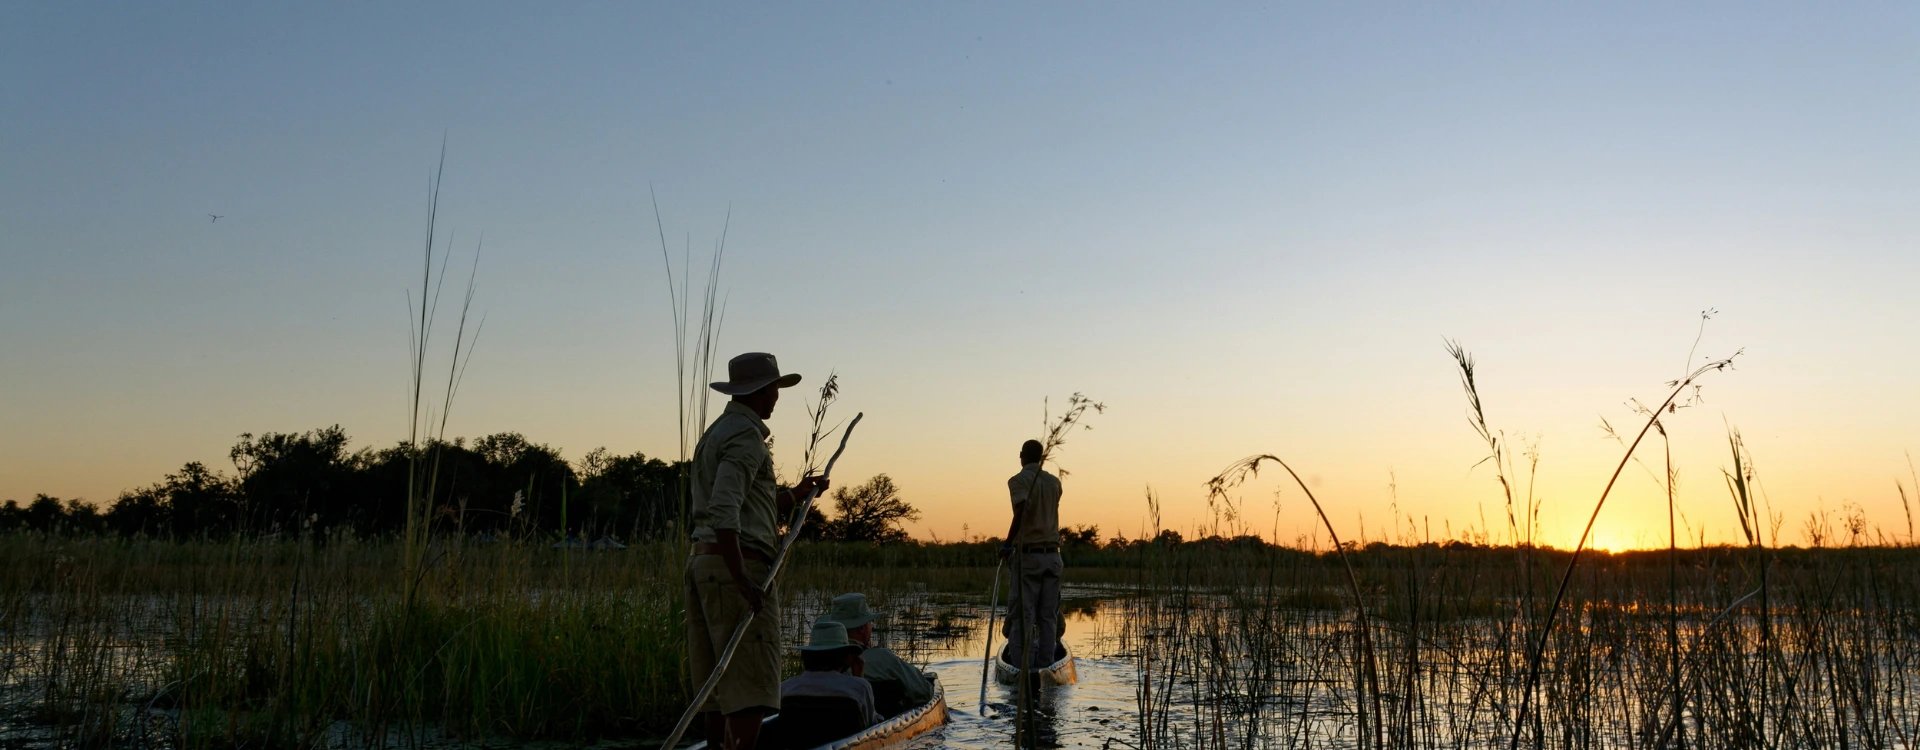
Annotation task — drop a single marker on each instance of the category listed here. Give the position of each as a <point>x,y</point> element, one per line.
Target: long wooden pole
<point>986,664</point>
<point>740,630</point>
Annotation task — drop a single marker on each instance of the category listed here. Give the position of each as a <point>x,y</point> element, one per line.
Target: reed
<point>340,641</point>
<point>1230,655</point>
<point>1756,646</point>
<point>695,345</point>
<point>202,644</point>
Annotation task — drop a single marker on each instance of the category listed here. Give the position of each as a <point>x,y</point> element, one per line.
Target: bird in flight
<point>216,218</point>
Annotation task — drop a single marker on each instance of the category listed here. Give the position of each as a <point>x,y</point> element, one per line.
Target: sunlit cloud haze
<point>1245,229</point>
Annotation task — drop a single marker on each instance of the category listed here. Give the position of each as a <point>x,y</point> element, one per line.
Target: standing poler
<point>1033,612</point>
<point>736,514</point>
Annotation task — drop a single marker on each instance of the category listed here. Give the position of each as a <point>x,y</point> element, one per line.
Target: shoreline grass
<point>111,642</point>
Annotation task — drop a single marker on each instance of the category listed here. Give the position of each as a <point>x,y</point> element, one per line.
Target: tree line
<point>311,484</point>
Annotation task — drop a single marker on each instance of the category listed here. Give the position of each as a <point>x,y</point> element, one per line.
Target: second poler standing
<point>1033,543</point>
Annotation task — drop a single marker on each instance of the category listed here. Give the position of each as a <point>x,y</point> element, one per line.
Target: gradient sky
<point>1245,228</point>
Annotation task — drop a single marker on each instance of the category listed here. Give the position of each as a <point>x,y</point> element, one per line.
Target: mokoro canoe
<point>1060,672</point>
<point>892,732</point>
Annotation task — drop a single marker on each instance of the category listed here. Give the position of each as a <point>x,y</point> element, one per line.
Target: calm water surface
<point>1092,713</point>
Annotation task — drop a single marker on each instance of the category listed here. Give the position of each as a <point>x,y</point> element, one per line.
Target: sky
<point>1244,228</point>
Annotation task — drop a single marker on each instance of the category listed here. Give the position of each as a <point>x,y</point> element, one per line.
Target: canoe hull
<point>901,729</point>
<point>893,732</point>
<point>1061,672</point>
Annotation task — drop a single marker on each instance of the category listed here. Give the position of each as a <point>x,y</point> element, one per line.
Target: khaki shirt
<point>733,481</point>
<point>1039,492</point>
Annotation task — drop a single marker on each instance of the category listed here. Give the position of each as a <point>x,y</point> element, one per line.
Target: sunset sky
<point>1244,228</point>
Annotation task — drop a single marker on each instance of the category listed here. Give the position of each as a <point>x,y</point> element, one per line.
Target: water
<point>1288,681</point>
<point>1092,713</point>
<point>1295,687</point>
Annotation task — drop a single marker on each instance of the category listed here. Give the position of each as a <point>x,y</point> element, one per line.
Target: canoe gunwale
<point>1061,672</point>
<point>893,731</point>
<point>900,728</point>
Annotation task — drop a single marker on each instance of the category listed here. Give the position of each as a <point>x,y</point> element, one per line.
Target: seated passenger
<point>832,664</point>
<point>897,684</point>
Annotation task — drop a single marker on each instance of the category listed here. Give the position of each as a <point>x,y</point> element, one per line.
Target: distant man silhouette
<point>736,510</point>
<point>890,675</point>
<point>1033,541</point>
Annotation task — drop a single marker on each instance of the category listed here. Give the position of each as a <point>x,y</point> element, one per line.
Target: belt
<point>714,548</point>
<point>1039,548</point>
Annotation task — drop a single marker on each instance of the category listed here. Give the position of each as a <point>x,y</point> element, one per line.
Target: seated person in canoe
<point>833,665</point>
<point>897,685</point>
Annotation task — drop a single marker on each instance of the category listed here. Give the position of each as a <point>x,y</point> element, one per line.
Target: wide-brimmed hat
<point>851,610</point>
<point>751,372</point>
<point>828,635</point>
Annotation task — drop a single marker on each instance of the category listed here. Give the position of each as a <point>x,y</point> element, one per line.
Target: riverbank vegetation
<point>109,641</point>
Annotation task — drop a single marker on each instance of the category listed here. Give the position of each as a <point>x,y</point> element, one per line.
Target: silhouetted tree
<point>199,502</point>
<point>43,514</point>
<point>312,481</point>
<point>627,495</point>
<point>83,518</point>
<point>50,515</point>
<point>545,480</point>
<point>1080,536</point>
<point>293,481</point>
<point>374,499</point>
<point>141,512</point>
<point>871,512</point>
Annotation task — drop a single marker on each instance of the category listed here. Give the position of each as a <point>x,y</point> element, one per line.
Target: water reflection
<point>1088,714</point>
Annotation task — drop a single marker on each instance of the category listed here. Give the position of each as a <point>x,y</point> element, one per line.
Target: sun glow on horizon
<point>1610,540</point>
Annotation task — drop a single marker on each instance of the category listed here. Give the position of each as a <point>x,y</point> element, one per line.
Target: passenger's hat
<point>828,635</point>
<point>851,610</point>
<point>751,372</point>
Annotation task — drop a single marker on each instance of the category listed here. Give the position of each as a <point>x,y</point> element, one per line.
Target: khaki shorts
<point>714,608</point>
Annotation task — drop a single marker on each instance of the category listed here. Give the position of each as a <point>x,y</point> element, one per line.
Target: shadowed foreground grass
<point>108,642</point>
<point>112,642</point>
<point>1260,649</point>
<point>273,643</point>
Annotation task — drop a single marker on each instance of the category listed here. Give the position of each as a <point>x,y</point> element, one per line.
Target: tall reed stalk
<point>1537,649</point>
<point>695,343</point>
<point>425,432</point>
<point>1366,670</point>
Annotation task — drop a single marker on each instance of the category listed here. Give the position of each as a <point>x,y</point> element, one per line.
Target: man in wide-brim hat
<point>736,514</point>
<point>832,662</point>
<point>891,676</point>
